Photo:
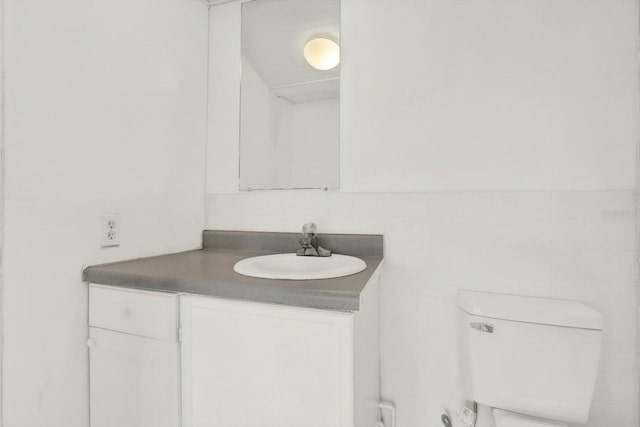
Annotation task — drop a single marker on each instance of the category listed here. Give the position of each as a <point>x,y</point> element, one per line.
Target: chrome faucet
<point>309,242</point>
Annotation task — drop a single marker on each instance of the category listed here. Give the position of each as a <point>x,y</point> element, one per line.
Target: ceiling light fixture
<point>322,53</point>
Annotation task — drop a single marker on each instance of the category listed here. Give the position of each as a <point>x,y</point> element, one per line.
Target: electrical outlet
<point>110,227</point>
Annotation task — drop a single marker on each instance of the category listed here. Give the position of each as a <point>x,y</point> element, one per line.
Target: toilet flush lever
<point>482,327</point>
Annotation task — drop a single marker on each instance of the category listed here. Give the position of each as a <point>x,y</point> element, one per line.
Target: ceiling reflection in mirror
<point>290,94</point>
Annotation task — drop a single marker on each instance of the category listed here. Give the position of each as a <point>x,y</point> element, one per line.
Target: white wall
<point>105,112</point>
<point>224,98</point>
<point>316,144</point>
<point>2,180</point>
<point>286,144</point>
<point>489,95</point>
<point>538,99</point>
<point>265,133</point>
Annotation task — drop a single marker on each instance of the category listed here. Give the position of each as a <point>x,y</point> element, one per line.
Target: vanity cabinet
<point>134,358</point>
<point>169,360</point>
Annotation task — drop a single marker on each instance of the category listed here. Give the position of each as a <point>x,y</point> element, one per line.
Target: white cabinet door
<point>258,365</point>
<point>134,381</point>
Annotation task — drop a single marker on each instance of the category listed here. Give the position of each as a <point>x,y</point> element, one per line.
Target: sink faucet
<point>309,242</point>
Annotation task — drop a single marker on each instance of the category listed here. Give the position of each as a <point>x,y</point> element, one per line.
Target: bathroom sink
<point>293,267</point>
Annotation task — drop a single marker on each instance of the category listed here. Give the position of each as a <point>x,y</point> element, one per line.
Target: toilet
<point>533,361</point>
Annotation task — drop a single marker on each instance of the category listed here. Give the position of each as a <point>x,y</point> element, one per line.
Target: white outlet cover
<point>110,228</point>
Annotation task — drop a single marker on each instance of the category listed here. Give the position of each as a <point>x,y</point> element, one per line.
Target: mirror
<point>290,94</point>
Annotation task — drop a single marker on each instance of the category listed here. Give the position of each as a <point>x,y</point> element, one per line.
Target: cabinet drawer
<point>143,313</point>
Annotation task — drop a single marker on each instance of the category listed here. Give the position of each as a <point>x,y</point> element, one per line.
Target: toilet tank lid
<point>545,311</point>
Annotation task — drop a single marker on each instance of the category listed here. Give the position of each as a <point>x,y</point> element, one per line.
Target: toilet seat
<point>511,419</point>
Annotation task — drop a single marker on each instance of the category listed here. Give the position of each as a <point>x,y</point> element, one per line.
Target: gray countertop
<point>209,271</point>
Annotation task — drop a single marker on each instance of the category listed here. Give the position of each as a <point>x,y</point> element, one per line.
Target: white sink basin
<point>293,267</point>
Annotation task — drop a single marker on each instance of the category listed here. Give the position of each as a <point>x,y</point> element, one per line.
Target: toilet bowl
<point>511,419</point>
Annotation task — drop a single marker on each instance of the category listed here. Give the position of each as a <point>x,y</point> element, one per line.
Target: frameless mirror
<point>290,94</point>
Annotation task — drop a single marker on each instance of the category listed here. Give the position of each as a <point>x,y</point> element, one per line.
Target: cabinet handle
<point>90,342</point>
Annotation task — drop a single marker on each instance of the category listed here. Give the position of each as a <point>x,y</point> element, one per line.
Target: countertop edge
<point>107,274</point>
<point>209,271</point>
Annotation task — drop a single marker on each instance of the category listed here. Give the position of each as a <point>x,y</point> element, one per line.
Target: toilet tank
<point>534,356</point>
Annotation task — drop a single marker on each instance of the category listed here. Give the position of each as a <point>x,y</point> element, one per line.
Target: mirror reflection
<point>290,94</point>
